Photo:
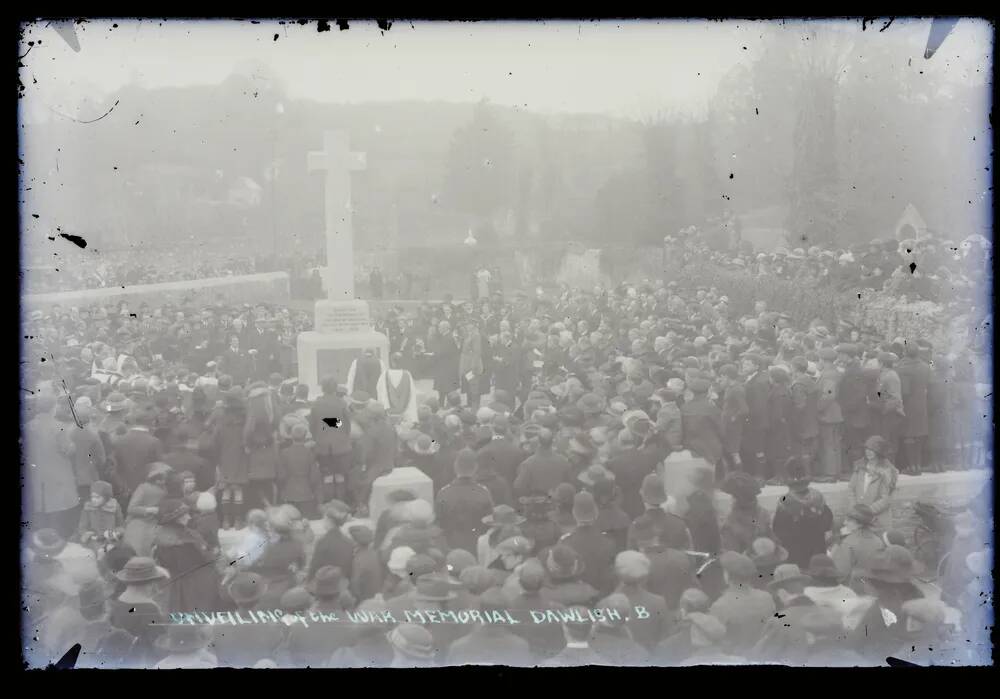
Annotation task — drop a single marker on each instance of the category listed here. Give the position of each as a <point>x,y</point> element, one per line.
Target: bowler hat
<point>823,571</point>
<point>247,588</point>
<point>787,573</point>
<point>563,563</point>
<point>827,354</point>
<point>503,515</point>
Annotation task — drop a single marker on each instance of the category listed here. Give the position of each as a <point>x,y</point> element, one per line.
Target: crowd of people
<point>153,439</point>
<point>927,268</point>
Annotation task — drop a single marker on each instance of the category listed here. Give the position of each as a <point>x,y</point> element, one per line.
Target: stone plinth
<point>331,354</point>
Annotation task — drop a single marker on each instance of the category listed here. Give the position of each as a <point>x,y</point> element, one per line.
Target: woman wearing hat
<point>504,523</point>
<point>747,520</point>
<point>143,509</point>
<point>186,647</point>
<point>51,483</point>
<point>412,646</point>
<point>231,454</point>
<point>859,544</point>
<point>187,557</point>
<point>283,560</point>
<point>137,610</point>
<point>874,482</point>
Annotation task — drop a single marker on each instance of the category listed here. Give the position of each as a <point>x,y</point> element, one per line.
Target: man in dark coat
<point>462,504</point>
<point>445,355</point>
<point>544,470</point>
<point>334,548</point>
<point>855,387</point>
<point>596,549</point>
<point>330,427</point>
<point>488,643</point>
<point>671,530</point>
<point>501,454</point>
<point>136,450</point>
<point>914,378</point>
<point>801,518</point>
<point>735,413</point>
<point>757,389</point>
<point>701,424</point>
<point>630,465</point>
<point>805,426</point>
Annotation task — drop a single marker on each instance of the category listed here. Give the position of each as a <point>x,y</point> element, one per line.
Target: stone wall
<point>272,287</point>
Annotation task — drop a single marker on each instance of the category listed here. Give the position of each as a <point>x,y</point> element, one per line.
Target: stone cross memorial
<point>343,328</point>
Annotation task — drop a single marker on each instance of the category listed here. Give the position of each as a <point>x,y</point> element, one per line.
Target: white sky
<point>628,69</point>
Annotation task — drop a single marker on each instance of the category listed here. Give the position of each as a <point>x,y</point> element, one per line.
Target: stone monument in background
<point>343,328</point>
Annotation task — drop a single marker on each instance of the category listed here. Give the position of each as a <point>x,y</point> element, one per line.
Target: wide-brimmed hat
<point>328,581</point>
<point>47,542</point>
<point>422,444</point>
<point>184,638</point>
<point>412,641</point>
<point>878,445</point>
<point>895,564</point>
<point>141,569</point>
<point>503,515</point>
<point>433,587</point>
<point>823,570</point>
<point>785,574</point>
<point>563,563</point>
<point>862,514</point>
<point>247,588</point>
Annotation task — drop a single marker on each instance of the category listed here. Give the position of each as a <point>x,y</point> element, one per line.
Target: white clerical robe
<point>398,393</point>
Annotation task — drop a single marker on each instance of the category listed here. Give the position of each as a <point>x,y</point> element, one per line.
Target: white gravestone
<point>343,327</point>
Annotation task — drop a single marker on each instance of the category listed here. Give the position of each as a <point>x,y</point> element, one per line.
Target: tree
<point>480,165</point>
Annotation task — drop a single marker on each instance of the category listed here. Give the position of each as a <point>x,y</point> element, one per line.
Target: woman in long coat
<point>188,559</point>
<point>282,562</point>
<point>49,470</point>
<point>144,508</point>
<point>874,481</point>
<point>446,354</point>
<point>781,409</point>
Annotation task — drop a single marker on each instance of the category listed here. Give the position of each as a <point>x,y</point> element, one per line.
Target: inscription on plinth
<point>337,317</point>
